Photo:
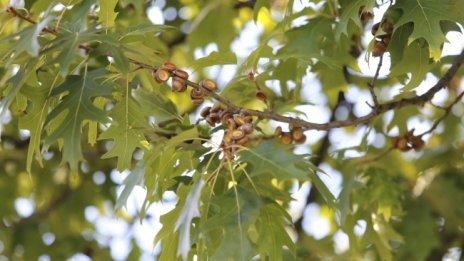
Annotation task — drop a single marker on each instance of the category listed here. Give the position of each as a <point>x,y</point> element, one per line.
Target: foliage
<point>83,97</point>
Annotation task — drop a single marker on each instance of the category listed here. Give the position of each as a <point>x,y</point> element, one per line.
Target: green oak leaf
<point>272,234</point>
<point>126,131</point>
<point>35,118</point>
<point>271,157</point>
<point>415,60</point>
<point>77,106</point>
<point>214,58</point>
<point>426,16</point>
<point>350,13</point>
<point>107,15</point>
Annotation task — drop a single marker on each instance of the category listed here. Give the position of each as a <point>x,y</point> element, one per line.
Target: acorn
<point>169,66</point>
<point>378,49</point>
<point>205,112</point>
<point>178,84</point>
<point>386,39</point>
<point>301,140</point>
<point>375,28</point>
<point>260,95</point>
<point>227,137</point>
<point>286,138</point>
<point>210,121</point>
<point>215,117</point>
<point>238,119</point>
<point>297,133</point>
<point>278,132</point>
<point>198,101</point>
<point>387,27</point>
<point>182,74</point>
<point>230,123</point>
<point>210,85</point>
<point>216,107</point>
<point>394,142</point>
<point>403,144</point>
<point>237,134</point>
<point>161,75</point>
<point>197,93</point>
<point>417,143</point>
<point>248,119</point>
<point>243,141</point>
<point>247,128</point>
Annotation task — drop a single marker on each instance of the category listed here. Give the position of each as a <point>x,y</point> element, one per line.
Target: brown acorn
<point>205,112</point>
<point>178,84</point>
<point>247,128</point>
<point>210,85</point>
<point>227,137</point>
<point>169,66</point>
<point>375,28</point>
<point>260,95</point>
<point>210,121</point>
<point>286,138</point>
<point>301,140</point>
<point>297,133</point>
<point>197,93</point>
<point>417,143</point>
<point>237,134</point>
<point>161,75</point>
<point>403,144</point>
<point>394,142</point>
<point>198,101</point>
<point>182,74</point>
<point>230,123</point>
<point>239,120</point>
<point>378,49</point>
<point>248,119</point>
<point>243,141</point>
<point>387,27</point>
<point>386,39</point>
<point>278,132</point>
<point>216,108</point>
<point>215,117</point>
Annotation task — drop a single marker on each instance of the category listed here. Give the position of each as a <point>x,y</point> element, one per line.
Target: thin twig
<point>371,85</point>
<point>447,111</point>
<point>377,157</point>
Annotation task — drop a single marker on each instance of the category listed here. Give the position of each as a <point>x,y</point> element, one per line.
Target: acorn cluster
<point>296,134</point>
<point>408,141</point>
<point>179,82</point>
<point>237,126</point>
<point>381,41</point>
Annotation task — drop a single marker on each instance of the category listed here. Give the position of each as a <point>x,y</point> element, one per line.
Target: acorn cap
<point>161,75</point>
<point>178,84</point>
<point>208,84</point>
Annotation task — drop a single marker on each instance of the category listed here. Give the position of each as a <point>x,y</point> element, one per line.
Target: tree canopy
<point>252,119</point>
